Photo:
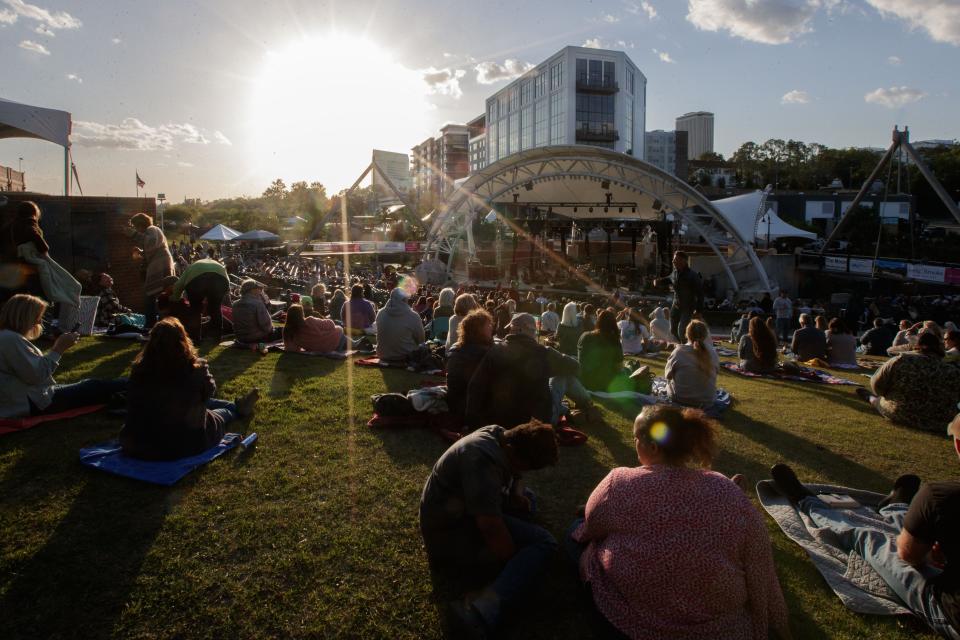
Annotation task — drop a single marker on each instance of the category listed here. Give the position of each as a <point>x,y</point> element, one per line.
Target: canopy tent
<point>26,121</point>
<point>745,211</point>
<point>258,235</point>
<point>220,233</point>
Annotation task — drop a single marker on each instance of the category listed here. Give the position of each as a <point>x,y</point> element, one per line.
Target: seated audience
<point>692,368</point>
<point>917,389</point>
<point>307,333</point>
<point>503,317</point>
<point>877,340</point>
<point>808,341</point>
<point>569,330</point>
<point>635,335</point>
<point>251,317</point>
<point>337,301</point>
<point>358,313</point>
<point>951,342</point>
<point>927,519</point>
<point>651,533</point>
<point>660,326</point>
<point>758,349</point>
<point>205,282</point>
<point>171,411</point>
<point>27,387</point>
<point>821,323</point>
<point>399,329</point>
<point>739,328</point>
<point>588,319</point>
<point>550,320</point>
<point>319,296</point>
<point>841,345</point>
<point>473,341</point>
<point>468,526</point>
<point>464,304</point>
<point>444,307</point>
<point>521,379</point>
<point>601,356</point>
<point>109,306</point>
<point>903,334</point>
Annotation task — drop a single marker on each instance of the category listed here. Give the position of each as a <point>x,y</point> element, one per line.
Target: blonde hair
<point>697,335</point>
<point>22,314</point>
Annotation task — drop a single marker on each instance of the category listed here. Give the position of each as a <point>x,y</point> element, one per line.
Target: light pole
<point>766,218</point>
<point>20,166</point>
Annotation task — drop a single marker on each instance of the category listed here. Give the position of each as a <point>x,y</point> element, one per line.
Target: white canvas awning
<point>25,121</point>
<point>220,233</point>
<point>745,211</point>
<point>258,235</point>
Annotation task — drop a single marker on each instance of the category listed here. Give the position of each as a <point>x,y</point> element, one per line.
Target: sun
<point>321,105</point>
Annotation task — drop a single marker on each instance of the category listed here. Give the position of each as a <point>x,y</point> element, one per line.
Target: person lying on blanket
<point>918,389</point>
<point>921,564</point>
<point>171,411</point>
<point>27,387</point>
<point>308,333</point>
<point>474,518</point>
<point>644,564</point>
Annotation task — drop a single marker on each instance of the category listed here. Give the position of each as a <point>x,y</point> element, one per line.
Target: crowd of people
<point>520,369</point>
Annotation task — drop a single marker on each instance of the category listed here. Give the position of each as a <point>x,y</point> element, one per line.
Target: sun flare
<point>320,105</point>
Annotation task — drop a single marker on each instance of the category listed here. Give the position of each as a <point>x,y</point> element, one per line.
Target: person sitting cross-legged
<point>358,313</point>
<point>758,348</point>
<point>877,340</point>
<point>171,411</point>
<point>399,329</point>
<point>841,344</point>
<point>650,535</point>
<point>808,342</point>
<point>927,517</point>
<point>692,368</point>
<point>467,522</point>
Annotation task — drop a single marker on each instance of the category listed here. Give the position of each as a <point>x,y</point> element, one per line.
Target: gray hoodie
<point>399,328</point>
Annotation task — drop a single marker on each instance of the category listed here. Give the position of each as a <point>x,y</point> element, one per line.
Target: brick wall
<point>91,233</point>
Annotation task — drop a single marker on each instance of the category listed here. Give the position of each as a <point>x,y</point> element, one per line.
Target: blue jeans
<point>561,386</point>
<point>81,394</point>
<point>535,546</point>
<point>879,549</point>
<point>225,411</point>
<point>783,328</point>
<point>679,321</point>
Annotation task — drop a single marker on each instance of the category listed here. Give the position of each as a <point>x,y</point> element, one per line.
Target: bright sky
<point>216,98</point>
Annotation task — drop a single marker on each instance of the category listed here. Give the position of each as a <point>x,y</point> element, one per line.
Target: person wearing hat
<point>521,379</point>
<point>251,317</point>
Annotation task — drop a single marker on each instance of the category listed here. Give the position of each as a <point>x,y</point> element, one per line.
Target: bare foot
<point>246,404</point>
<point>741,481</point>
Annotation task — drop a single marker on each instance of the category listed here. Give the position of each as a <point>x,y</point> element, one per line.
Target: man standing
<point>687,294</point>
<point>783,311</point>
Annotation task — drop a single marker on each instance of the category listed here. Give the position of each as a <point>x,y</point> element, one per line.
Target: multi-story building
<point>396,168</point>
<point>437,162</point>
<point>11,180</point>
<point>699,128</point>
<point>667,150</point>
<point>577,96</point>
<point>478,142</point>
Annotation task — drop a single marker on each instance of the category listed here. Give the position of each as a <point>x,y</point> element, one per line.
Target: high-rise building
<point>699,128</point>
<point>396,168</point>
<point>577,96</point>
<point>437,162</point>
<point>667,150</point>
<point>478,142</point>
<point>11,180</point>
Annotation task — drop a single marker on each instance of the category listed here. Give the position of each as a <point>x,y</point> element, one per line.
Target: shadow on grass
<point>292,369</point>
<point>95,554</point>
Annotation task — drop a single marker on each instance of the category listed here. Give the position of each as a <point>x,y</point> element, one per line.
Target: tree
<point>711,156</point>
<point>277,189</point>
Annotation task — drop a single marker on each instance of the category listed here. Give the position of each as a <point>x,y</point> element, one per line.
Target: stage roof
<point>744,213</point>
<point>26,121</point>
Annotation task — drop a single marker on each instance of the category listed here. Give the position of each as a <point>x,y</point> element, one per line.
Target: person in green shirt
<point>204,281</point>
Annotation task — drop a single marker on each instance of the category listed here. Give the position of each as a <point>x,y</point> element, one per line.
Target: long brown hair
<point>697,335</point>
<point>167,354</point>
<point>294,323</point>
<point>469,330</point>
<point>764,342</point>
<point>607,327</point>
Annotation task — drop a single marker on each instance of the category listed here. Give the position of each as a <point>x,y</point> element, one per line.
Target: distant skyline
<point>218,98</point>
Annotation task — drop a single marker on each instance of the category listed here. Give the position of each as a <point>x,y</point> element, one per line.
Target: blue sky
<point>217,98</point>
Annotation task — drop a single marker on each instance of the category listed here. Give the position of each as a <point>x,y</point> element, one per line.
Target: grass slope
<point>314,533</point>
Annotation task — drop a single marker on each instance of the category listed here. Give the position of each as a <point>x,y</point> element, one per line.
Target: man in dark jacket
<point>520,379</point>
<point>808,341</point>
<point>878,339</point>
<point>687,294</point>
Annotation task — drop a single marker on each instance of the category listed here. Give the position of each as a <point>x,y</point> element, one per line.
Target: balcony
<point>597,134</point>
<point>594,84</point>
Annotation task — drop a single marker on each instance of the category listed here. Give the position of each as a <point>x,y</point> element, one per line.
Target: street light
<point>768,219</point>
<point>20,167</point>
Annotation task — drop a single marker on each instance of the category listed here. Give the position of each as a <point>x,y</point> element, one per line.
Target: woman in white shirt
<point>692,368</point>
<point>634,334</point>
<point>660,326</point>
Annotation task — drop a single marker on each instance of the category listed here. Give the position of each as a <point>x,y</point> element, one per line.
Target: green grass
<point>314,533</point>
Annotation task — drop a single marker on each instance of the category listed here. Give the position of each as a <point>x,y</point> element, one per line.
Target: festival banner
<point>835,263</point>
<point>952,275</point>
<point>925,272</point>
<point>412,247</point>
<point>892,267</point>
<point>391,247</point>
<point>368,247</point>
<point>861,266</point>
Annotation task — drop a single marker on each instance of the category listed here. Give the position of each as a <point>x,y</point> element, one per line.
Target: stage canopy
<point>258,235</point>
<point>25,121</point>
<point>220,233</point>
<point>746,213</point>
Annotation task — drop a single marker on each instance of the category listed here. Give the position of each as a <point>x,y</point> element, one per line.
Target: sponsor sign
<point>392,247</point>
<point>861,265</point>
<point>834,263</point>
<point>894,267</point>
<point>952,275</point>
<point>925,272</point>
<point>412,247</point>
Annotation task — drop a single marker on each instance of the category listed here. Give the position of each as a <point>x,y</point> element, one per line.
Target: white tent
<point>745,212</point>
<point>25,121</point>
<point>220,233</point>
<point>258,235</point>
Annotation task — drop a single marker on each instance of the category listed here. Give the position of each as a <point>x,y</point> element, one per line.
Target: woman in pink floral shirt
<point>674,551</point>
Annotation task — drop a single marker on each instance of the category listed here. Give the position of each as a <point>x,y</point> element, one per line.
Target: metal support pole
<point>66,170</point>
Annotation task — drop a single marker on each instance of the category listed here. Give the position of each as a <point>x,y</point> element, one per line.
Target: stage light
<point>606,209</point>
<point>574,209</point>
<point>528,186</point>
<point>621,209</point>
<point>657,205</point>
<point>590,209</point>
<point>605,184</point>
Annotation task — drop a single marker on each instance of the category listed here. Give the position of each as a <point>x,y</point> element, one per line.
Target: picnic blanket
<point>9,425</point>
<point>377,362</point>
<point>859,587</point>
<point>805,374</point>
<point>727,353</point>
<point>659,395</point>
<point>250,346</point>
<point>333,355</point>
<point>109,457</point>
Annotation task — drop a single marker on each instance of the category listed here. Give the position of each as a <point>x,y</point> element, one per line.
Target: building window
<point>514,99</point>
<point>503,150</point>
<point>628,125</point>
<point>609,73</point>
<point>540,84</point>
<point>526,93</point>
<point>493,148</point>
<point>514,132</point>
<point>630,79</point>
<point>558,129</point>
<point>556,76</point>
<point>526,130</point>
<point>492,114</point>
<point>542,126</point>
<point>595,113</point>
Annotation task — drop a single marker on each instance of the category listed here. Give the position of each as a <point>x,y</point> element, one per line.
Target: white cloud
<point>132,134</point>
<point>608,18</point>
<point>795,97</point>
<point>116,40</point>
<point>444,81</point>
<point>894,97</point>
<point>75,78</point>
<point>939,18</point>
<point>764,21</point>
<point>35,47</point>
<point>490,72</point>
<point>52,19</point>
<point>7,17</point>
<point>623,44</point>
<point>642,7</point>
<point>593,43</point>
<point>44,30</point>
<point>894,61</point>
<point>664,57</point>
<point>184,164</point>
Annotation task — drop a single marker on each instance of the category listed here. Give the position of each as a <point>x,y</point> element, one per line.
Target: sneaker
<point>466,622</point>
<point>904,488</point>
<point>788,484</point>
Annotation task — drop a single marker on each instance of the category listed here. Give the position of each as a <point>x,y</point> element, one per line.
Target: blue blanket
<point>659,395</point>
<point>108,457</point>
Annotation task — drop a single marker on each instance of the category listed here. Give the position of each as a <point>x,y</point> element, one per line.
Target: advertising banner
<point>861,265</point>
<point>952,275</point>
<point>412,247</point>
<point>834,263</point>
<point>892,267</point>
<point>391,247</point>
<point>925,272</point>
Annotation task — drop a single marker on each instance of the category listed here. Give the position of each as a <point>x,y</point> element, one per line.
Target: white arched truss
<point>566,174</point>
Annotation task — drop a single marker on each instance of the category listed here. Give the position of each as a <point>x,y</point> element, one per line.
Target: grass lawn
<point>314,532</point>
